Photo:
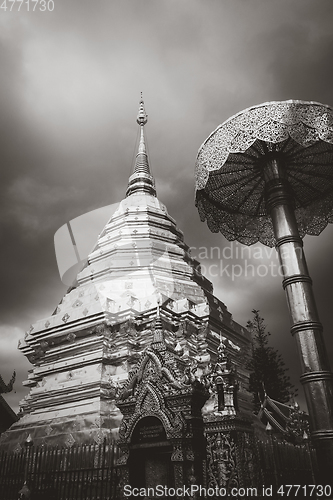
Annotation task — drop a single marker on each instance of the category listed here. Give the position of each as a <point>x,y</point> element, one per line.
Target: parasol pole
<point>306,328</point>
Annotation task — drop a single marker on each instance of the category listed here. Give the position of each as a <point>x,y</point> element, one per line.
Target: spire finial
<point>158,338</point>
<point>141,181</point>
<point>158,311</point>
<point>142,117</point>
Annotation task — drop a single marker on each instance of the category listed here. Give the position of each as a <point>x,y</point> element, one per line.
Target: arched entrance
<point>150,455</point>
<point>161,434</point>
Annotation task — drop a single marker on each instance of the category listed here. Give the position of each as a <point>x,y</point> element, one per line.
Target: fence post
<point>24,491</point>
<point>308,448</point>
<point>273,444</point>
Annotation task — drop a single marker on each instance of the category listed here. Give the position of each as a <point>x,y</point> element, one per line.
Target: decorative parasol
<point>266,175</point>
<point>230,184</point>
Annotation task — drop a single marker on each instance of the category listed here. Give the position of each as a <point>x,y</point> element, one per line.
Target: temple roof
<point>7,387</point>
<point>7,415</point>
<point>140,258</point>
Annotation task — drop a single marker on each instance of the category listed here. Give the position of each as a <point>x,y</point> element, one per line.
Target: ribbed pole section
<point>306,328</point>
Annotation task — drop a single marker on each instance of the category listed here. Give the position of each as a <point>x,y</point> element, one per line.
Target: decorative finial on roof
<point>269,428</point>
<point>28,441</point>
<point>142,117</point>
<point>158,338</point>
<point>7,387</point>
<point>221,349</point>
<point>158,325</point>
<point>141,181</point>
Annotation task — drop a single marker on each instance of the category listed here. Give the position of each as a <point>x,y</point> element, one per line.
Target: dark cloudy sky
<point>70,82</point>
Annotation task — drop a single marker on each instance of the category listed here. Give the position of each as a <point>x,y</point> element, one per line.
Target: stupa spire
<point>141,181</point>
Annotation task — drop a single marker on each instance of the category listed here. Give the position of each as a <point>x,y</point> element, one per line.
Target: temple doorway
<point>149,462</point>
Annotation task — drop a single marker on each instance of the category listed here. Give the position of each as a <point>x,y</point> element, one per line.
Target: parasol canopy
<point>230,185</point>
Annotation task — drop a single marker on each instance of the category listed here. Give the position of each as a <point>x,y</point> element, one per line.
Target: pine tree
<point>267,369</point>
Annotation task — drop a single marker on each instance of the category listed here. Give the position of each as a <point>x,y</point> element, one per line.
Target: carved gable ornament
<point>159,386</point>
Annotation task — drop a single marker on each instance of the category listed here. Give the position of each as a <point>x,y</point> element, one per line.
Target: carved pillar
<point>230,453</point>
<point>177,458</point>
<point>123,471</point>
<point>225,382</point>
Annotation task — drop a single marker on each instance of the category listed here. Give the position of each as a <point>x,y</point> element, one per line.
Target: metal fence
<point>89,472</point>
<point>86,472</point>
<point>286,463</point>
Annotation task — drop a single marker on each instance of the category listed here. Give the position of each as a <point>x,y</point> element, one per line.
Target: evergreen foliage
<point>267,368</point>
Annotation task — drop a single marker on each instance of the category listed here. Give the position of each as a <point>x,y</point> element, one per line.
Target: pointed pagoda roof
<point>140,257</point>
<point>141,181</point>
<point>139,272</point>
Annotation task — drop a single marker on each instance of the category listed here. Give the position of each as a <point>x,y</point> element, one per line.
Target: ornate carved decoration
<point>221,461</point>
<point>123,457</point>
<point>65,318</point>
<point>221,379</point>
<point>156,387</point>
<point>71,337</point>
<point>69,441</point>
<point>177,454</point>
